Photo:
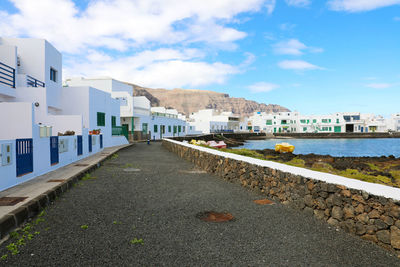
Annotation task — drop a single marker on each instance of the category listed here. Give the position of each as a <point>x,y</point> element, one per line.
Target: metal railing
<point>32,82</point>
<point>7,75</point>
<point>119,130</point>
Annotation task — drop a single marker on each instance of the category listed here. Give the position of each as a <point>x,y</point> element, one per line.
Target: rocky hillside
<point>189,100</point>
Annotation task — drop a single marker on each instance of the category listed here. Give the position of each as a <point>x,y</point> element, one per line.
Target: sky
<point>315,57</point>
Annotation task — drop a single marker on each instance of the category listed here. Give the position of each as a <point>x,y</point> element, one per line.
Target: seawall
<point>370,211</point>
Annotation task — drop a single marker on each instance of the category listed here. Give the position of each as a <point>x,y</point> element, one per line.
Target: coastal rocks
<point>373,218</point>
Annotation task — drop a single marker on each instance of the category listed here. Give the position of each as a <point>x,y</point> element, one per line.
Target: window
<point>101,119</point>
<point>174,129</point>
<point>304,129</point>
<point>155,128</point>
<point>302,121</point>
<point>337,120</point>
<point>169,128</point>
<point>113,121</point>
<point>324,120</point>
<point>179,128</point>
<point>53,75</point>
<point>269,122</point>
<point>283,122</point>
<point>314,121</point>
<point>184,128</point>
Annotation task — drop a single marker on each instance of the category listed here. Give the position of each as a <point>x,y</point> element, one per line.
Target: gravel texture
<point>149,193</point>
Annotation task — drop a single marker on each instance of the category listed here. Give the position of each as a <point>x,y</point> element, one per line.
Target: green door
<point>338,129</point>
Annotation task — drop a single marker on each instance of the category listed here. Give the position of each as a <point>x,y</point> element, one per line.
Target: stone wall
<point>371,217</point>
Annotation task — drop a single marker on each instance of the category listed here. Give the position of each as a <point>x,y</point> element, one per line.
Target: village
<point>47,122</point>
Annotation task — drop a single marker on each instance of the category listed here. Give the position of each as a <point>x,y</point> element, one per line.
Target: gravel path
<point>149,193</point>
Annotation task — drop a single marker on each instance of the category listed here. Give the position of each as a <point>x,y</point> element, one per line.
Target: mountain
<point>187,101</point>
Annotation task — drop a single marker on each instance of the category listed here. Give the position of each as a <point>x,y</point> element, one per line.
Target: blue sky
<point>315,57</point>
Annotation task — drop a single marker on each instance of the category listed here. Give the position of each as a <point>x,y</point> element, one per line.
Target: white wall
<point>63,123</point>
<point>16,120</point>
<point>8,56</point>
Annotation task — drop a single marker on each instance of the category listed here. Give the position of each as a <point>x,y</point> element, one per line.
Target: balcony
<point>7,75</point>
<point>32,82</point>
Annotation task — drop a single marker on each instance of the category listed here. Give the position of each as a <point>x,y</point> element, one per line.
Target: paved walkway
<point>39,185</point>
<point>140,210</point>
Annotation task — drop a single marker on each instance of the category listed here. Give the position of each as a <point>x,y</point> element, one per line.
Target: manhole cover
<point>81,165</point>
<point>11,201</point>
<point>131,170</point>
<point>56,181</point>
<point>212,216</point>
<point>264,202</point>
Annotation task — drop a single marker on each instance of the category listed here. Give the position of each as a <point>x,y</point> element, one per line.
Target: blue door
<point>54,150</point>
<point>80,145</point>
<point>101,141</point>
<point>90,143</point>
<point>24,148</point>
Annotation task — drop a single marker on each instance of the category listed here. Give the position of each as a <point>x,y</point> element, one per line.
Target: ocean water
<point>335,147</point>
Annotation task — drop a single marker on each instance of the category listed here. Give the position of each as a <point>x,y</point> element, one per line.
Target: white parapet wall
<point>16,120</point>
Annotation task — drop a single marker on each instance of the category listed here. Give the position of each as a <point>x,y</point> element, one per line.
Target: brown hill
<point>190,100</point>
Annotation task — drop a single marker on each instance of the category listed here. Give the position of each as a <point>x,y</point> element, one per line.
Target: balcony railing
<point>7,75</point>
<point>120,130</point>
<point>32,82</point>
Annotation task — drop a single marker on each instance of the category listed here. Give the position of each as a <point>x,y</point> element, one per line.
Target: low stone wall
<point>373,218</point>
<point>209,137</point>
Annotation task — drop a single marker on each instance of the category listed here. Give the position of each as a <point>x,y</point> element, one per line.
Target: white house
<point>210,121</point>
<point>137,116</point>
<point>34,108</point>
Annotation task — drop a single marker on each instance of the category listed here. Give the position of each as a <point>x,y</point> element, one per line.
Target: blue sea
<point>335,147</point>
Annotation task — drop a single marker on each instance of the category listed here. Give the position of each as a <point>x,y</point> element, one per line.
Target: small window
<point>53,75</point>
<point>155,128</point>
<point>184,128</point>
<point>113,121</point>
<point>169,128</point>
<point>179,128</point>
<point>101,119</point>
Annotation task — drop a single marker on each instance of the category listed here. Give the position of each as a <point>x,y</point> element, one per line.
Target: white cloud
<point>262,87</point>
<point>360,5</point>
<point>379,85</point>
<point>122,24</point>
<point>162,68</point>
<point>293,47</point>
<point>287,26</point>
<point>297,65</point>
<point>396,18</point>
<point>298,3</point>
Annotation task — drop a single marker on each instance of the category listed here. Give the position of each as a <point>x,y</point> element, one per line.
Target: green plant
<point>128,165</point>
<point>116,222</point>
<point>84,227</point>
<point>14,234</point>
<point>87,177</point>
<point>137,241</point>
<point>12,247</point>
<point>114,156</point>
<point>4,257</point>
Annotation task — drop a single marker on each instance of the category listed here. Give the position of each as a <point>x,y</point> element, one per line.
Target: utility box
<point>6,154</point>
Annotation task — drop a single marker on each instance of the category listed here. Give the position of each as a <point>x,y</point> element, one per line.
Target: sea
<point>363,147</point>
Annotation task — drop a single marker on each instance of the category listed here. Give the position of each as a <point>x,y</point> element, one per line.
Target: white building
<point>34,108</point>
<point>293,122</point>
<point>137,116</point>
<point>210,121</point>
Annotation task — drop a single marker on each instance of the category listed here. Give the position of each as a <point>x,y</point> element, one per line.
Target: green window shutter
<point>179,128</point>
<point>155,128</point>
<point>169,128</point>
<point>337,120</point>
<point>304,129</point>
<point>101,119</point>
<point>314,121</point>
<point>113,121</point>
